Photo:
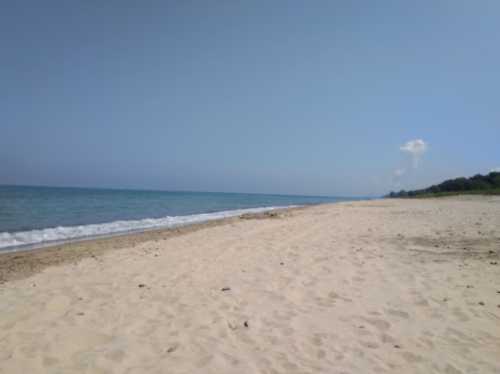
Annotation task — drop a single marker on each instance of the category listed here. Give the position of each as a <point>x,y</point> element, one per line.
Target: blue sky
<point>316,97</point>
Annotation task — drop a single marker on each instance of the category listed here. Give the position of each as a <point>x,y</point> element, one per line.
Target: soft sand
<point>400,286</point>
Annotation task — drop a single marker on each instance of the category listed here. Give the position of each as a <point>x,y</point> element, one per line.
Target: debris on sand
<point>263,215</point>
<point>172,349</point>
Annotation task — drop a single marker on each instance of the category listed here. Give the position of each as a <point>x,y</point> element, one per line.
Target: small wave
<point>67,233</point>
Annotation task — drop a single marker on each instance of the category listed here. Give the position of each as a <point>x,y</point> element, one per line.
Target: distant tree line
<point>489,183</point>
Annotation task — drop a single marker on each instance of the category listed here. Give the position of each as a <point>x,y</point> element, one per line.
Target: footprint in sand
<point>411,357</point>
<point>367,344</point>
<point>115,355</point>
<point>317,339</point>
<point>334,296</point>
<point>460,315</point>
<point>320,354</point>
<point>379,324</point>
<point>398,313</point>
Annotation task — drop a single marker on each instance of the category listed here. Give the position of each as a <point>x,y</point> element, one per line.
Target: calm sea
<point>31,216</point>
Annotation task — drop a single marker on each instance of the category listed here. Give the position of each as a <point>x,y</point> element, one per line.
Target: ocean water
<point>36,216</point>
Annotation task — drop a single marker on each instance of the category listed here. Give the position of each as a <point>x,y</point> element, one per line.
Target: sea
<point>32,217</point>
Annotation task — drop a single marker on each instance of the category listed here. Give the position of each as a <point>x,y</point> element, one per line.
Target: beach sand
<point>386,286</point>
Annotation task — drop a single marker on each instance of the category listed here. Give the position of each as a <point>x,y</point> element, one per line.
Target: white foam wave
<point>67,233</point>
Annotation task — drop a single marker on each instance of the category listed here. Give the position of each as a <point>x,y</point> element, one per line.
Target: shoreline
<point>66,234</point>
<point>21,263</point>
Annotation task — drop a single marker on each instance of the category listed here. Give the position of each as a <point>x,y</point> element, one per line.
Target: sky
<point>343,98</point>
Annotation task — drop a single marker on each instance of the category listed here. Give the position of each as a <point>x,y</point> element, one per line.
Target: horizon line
<point>187,191</point>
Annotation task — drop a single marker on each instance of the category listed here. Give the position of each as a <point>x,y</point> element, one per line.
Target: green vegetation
<point>478,184</point>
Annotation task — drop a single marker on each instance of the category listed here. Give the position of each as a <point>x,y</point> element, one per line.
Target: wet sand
<point>386,286</point>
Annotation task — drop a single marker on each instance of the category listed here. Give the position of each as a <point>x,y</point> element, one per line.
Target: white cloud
<point>416,148</point>
<point>496,170</point>
<point>399,172</point>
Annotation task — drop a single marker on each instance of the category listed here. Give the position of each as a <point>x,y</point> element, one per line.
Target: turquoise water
<point>37,215</point>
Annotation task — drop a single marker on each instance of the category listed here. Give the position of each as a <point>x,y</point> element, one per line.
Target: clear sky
<point>308,97</point>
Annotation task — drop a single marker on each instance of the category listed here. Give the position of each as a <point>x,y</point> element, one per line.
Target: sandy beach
<point>386,286</point>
